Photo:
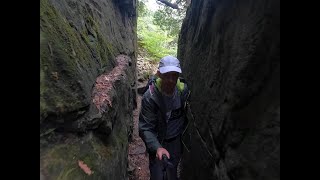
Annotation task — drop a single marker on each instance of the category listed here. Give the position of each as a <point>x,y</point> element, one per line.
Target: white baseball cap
<point>169,63</point>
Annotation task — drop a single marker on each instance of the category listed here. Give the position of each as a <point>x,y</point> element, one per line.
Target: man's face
<point>169,81</point>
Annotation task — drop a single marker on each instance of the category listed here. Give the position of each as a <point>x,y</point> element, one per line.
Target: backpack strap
<point>180,85</point>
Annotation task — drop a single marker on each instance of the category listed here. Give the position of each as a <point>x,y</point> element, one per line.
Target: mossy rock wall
<point>79,41</point>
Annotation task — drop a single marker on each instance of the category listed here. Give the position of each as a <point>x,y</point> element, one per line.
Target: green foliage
<point>157,32</point>
<point>169,19</point>
<point>156,41</point>
<point>142,8</point>
<point>146,75</point>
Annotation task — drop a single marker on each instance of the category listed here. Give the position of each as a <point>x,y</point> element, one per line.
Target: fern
<point>156,41</point>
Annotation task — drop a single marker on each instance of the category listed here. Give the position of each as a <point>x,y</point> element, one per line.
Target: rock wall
<point>87,87</point>
<point>230,54</point>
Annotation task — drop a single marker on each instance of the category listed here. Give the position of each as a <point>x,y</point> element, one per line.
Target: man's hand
<point>160,152</point>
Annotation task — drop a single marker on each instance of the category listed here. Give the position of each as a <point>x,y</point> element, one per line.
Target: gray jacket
<point>152,121</point>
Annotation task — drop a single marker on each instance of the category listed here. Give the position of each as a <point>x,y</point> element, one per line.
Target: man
<point>162,118</point>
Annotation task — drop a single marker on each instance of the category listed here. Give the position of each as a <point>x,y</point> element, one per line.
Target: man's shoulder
<point>151,94</point>
<point>147,94</point>
<point>184,89</point>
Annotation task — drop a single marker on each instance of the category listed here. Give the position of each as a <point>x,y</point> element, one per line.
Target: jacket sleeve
<point>148,122</point>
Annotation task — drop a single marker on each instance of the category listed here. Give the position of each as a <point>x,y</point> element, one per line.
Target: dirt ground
<point>138,157</point>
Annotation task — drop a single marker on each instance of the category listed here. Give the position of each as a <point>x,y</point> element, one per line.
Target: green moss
<point>61,162</point>
<point>66,174</point>
<point>102,150</point>
<point>67,42</point>
<point>122,136</point>
<point>58,159</point>
<point>101,44</point>
<point>62,51</point>
<point>69,45</point>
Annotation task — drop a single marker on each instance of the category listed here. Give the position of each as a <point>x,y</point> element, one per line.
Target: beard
<point>168,90</point>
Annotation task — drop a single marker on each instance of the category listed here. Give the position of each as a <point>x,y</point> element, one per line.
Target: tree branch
<point>174,6</point>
